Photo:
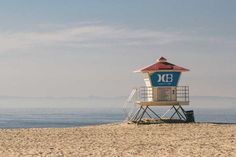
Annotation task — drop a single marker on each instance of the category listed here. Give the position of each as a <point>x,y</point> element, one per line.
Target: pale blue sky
<point>81,48</point>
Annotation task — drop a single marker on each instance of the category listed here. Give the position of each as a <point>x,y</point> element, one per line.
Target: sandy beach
<point>121,140</point>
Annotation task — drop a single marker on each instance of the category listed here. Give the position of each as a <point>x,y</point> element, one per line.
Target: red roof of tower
<point>162,64</point>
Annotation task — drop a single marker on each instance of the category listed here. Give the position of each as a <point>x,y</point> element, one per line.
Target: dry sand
<point>124,140</point>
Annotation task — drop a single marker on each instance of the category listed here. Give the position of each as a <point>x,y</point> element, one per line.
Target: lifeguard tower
<point>161,80</point>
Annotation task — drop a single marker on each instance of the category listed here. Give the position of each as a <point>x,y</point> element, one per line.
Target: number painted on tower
<point>164,78</point>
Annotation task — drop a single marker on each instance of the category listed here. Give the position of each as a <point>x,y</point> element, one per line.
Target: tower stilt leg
<point>142,114</point>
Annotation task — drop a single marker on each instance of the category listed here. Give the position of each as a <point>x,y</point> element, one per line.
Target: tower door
<point>164,94</point>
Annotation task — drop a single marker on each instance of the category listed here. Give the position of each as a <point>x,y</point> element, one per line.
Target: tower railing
<point>179,93</point>
<point>182,93</point>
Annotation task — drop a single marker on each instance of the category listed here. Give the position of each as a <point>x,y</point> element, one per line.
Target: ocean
<point>74,112</point>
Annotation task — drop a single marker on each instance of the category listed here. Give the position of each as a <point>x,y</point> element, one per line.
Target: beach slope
<point>122,140</point>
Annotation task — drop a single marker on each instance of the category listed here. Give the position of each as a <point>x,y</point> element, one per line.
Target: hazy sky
<point>81,48</point>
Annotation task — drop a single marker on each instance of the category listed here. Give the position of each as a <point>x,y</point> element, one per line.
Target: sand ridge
<point>128,140</point>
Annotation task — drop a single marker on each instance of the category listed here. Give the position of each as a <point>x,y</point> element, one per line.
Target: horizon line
<point>104,97</point>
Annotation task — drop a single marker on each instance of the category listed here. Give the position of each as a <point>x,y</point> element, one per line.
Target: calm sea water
<point>57,117</point>
<point>70,112</point>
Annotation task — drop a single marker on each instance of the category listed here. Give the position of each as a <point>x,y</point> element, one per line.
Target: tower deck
<point>164,96</point>
<point>162,103</point>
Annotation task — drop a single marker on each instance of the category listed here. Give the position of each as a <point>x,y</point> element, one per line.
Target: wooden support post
<point>142,115</point>
<point>136,114</point>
